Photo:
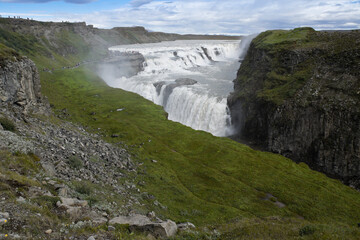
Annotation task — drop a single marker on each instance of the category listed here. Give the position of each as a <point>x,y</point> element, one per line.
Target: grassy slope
<point>201,178</point>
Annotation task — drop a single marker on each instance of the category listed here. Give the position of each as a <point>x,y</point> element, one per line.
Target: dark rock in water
<point>170,87</point>
<point>158,86</point>
<point>206,53</point>
<point>186,81</point>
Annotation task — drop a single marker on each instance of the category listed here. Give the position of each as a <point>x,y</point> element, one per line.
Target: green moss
<point>7,124</point>
<point>47,201</point>
<point>307,230</point>
<point>75,162</point>
<point>283,37</point>
<point>7,53</point>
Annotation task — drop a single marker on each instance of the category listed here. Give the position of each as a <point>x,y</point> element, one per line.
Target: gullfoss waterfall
<point>191,79</point>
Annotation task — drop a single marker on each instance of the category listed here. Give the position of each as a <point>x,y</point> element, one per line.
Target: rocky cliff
<point>19,82</point>
<point>297,93</point>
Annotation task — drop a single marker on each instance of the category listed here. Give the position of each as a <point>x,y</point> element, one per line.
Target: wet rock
<point>185,81</point>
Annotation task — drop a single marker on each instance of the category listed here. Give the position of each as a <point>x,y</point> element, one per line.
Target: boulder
<point>185,226</point>
<point>144,224</point>
<point>72,206</point>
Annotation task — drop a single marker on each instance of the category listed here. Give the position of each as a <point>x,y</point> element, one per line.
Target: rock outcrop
<point>297,93</point>
<point>19,82</point>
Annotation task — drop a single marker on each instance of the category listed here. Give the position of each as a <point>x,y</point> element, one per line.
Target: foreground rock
<point>144,224</point>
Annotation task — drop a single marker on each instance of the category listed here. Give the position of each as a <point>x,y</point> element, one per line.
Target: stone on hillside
<point>163,229</point>
<point>4,215</point>
<point>111,228</point>
<point>185,226</point>
<point>91,238</point>
<point>142,223</point>
<point>21,199</point>
<point>136,219</point>
<point>72,206</point>
<point>73,202</point>
<point>151,214</point>
<point>1,127</point>
<point>49,231</point>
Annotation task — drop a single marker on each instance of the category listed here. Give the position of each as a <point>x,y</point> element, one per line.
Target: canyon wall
<point>297,93</point>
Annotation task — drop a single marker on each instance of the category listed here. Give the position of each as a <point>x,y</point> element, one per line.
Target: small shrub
<point>48,201</point>
<point>307,230</point>
<point>7,124</point>
<point>75,163</point>
<point>83,188</point>
<point>92,200</point>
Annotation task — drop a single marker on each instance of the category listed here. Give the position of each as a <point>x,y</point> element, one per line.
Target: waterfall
<point>191,79</point>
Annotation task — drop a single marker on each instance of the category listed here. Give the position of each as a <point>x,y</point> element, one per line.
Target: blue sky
<point>194,16</point>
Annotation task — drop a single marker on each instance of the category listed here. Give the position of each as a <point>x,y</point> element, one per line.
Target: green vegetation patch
<point>7,53</point>
<point>283,37</point>
<point>7,124</point>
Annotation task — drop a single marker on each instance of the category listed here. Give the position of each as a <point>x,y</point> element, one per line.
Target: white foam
<point>202,106</point>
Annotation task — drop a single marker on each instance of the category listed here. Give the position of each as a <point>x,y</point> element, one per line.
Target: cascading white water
<point>199,100</point>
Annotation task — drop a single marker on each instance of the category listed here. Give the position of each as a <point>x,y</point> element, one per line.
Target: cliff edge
<point>297,93</point>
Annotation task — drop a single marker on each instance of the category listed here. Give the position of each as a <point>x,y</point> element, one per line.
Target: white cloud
<point>138,3</point>
<point>225,16</point>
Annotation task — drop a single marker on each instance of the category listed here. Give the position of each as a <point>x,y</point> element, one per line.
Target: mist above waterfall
<point>191,79</point>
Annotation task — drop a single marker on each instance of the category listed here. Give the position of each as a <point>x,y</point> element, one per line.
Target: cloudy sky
<point>194,16</point>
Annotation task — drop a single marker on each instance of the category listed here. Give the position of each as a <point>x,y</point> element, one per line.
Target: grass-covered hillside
<point>210,181</point>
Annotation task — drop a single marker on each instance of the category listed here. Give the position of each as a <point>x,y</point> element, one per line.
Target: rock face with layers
<point>19,82</point>
<point>297,93</point>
